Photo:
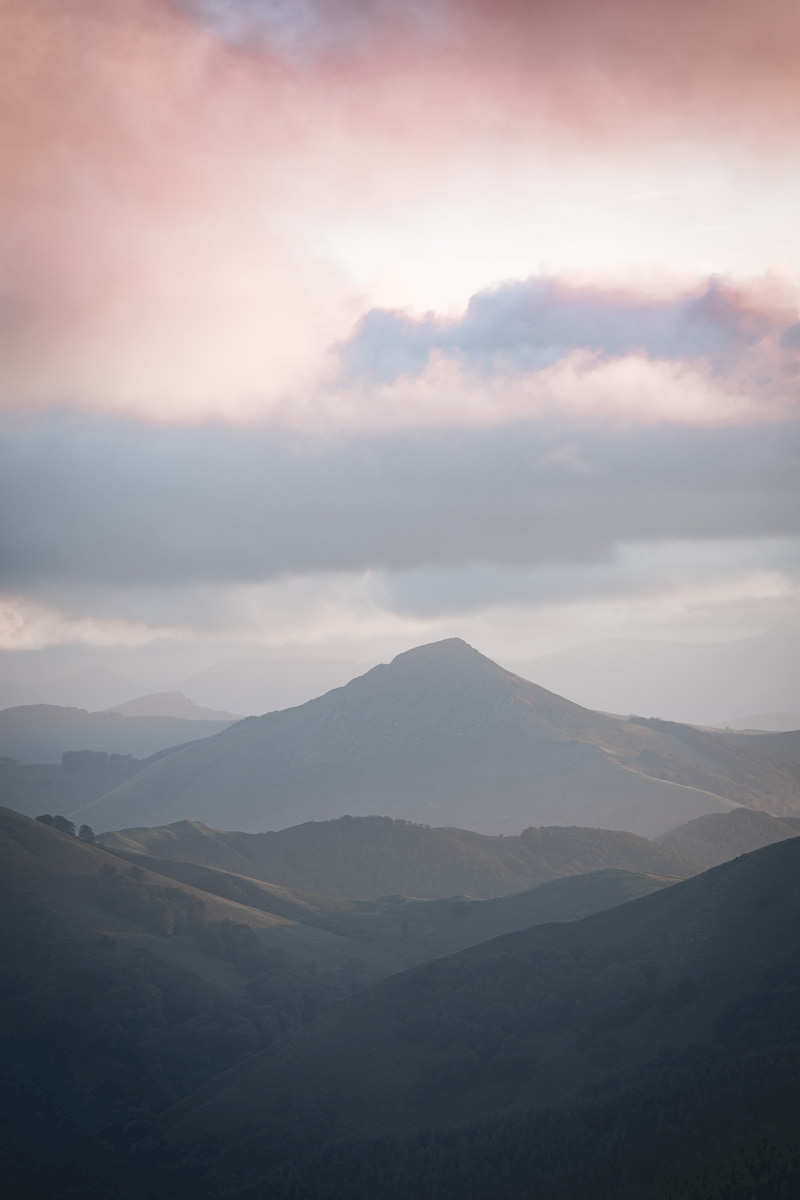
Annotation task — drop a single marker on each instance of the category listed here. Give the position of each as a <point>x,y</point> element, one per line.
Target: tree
<point>86,834</point>
<point>46,819</point>
<point>63,825</point>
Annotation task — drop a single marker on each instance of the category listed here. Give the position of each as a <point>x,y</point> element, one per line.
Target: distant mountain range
<point>233,685</point>
<point>446,736</point>
<point>41,733</point>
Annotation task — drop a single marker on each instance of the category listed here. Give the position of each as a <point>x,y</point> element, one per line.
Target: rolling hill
<point>446,736</point>
<point>371,857</point>
<point>719,837</point>
<point>124,987</point>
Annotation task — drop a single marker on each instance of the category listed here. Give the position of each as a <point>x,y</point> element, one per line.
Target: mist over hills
<point>230,686</point>
<point>92,688</point>
<point>710,683</point>
<point>768,722</point>
<point>253,685</point>
<point>41,733</point>
<point>446,736</point>
<point>171,704</point>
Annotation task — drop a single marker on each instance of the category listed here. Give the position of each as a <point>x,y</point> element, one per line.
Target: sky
<point>335,328</point>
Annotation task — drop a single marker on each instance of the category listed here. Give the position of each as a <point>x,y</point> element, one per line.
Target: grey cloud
<point>790,338</point>
<point>119,503</point>
<point>300,29</point>
<point>533,323</point>
<point>435,592</point>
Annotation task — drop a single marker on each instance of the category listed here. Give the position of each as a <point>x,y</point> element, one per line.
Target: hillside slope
<point>370,857</point>
<point>703,974</point>
<point>122,988</point>
<point>444,735</point>
<point>719,837</point>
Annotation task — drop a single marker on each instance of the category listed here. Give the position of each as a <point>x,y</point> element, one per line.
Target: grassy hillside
<point>444,735</point>
<point>369,857</point>
<point>698,983</point>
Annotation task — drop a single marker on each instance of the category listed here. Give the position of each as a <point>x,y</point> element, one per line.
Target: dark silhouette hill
<point>719,837</point>
<point>642,1023</point>
<point>370,857</point>
<point>444,735</point>
<point>41,733</point>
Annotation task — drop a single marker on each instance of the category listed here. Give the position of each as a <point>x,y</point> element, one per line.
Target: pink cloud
<point>161,185</point>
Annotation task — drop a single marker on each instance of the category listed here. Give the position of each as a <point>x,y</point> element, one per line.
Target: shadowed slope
<point>534,1018</point>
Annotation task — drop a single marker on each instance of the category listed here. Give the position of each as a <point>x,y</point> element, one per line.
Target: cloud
<point>117,502</point>
<point>681,575</point>
<point>532,324</point>
<point>169,172</point>
<point>596,67</point>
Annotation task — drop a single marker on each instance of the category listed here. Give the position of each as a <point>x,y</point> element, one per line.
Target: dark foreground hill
<point>648,1051</point>
<point>40,733</point>
<point>444,735</point>
<point>370,857</point>
<point>123,988</point>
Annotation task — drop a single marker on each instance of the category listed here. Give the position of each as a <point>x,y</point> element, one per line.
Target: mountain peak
<point>447,651</point>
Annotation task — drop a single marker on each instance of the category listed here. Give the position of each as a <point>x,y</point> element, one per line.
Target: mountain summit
<point>445,736</point>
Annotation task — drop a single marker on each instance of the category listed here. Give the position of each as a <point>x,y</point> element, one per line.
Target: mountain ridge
<point>444,735</point>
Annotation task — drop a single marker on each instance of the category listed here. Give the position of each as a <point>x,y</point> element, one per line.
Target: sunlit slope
<point>444,735</point>
<point>96,894</point>
<point>370,857</point>
<point>708,967</point>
